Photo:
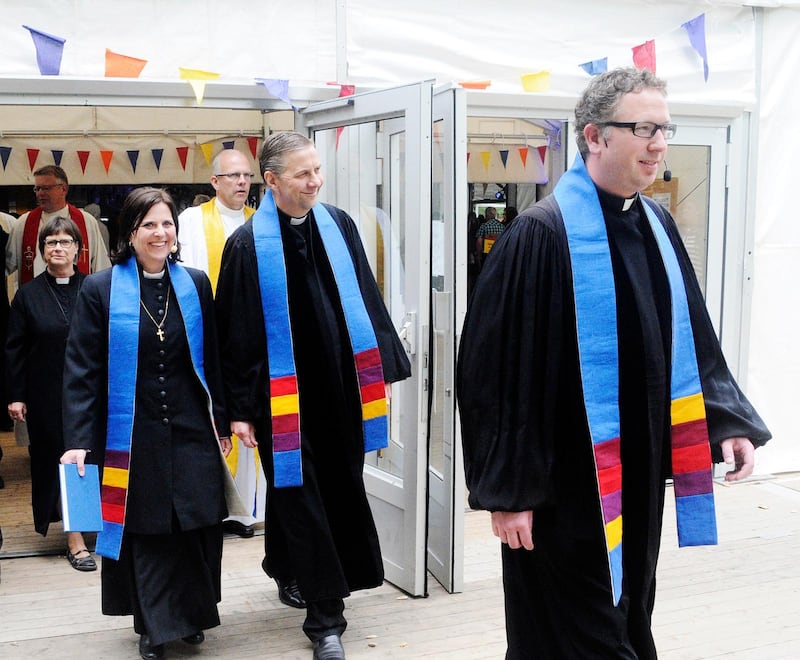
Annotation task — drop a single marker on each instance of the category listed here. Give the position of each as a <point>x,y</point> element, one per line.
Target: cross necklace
<point>159,326</point>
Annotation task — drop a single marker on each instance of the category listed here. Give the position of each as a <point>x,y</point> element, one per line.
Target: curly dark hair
<point>136,205</point>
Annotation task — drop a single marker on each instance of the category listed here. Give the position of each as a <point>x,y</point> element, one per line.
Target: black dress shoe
<point>148,651</point>
<point>197,638</point>
<point>289,594</point>
<point>237,528</point>
<point>329,648</point>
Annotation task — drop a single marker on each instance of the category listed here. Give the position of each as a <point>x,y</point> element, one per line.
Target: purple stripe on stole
<point>117,459</point>
<point>370,375</point>
<point>285,441</point>
<point>693,483</point>
<point>612,506</point>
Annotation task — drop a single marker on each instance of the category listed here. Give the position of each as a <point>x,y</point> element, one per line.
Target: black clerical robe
<point>322,533</point>
<point>525,433</point>
<point>37,337</point>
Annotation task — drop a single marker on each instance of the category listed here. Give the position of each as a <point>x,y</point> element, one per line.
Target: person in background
<point>609,380</point>
<point>508,215</point>
<point>34,354</point>
<point>6,423</point>
<point>489,231</point>
<point>200,198</point>
<point>94,210</point>
<point>204,229</point>
<point>143,394</point>
<point>51,186</point>
<point>317,364</point>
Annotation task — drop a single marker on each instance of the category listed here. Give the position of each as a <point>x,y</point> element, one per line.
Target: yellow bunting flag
<point>206,149</point>
<point>536,82</point>
<point>485,156</point>
<point>197,79</point>
<point>123,66</point>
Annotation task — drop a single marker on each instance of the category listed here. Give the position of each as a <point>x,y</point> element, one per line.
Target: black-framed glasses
<point>53,243</point>
<point>235,176</point>
<point>645,129</point>
<point>46,188</point>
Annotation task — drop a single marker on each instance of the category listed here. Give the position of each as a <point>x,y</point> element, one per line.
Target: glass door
<point>375,150</point>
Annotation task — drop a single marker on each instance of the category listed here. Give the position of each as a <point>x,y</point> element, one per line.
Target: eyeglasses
<point>235,176</point>
<point>645,129</point>
<point>52,243</point>
<point>46,188</point>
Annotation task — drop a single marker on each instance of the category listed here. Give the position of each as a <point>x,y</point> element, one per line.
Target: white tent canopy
<point>752,59</point>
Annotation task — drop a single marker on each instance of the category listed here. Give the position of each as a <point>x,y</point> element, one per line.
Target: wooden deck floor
<point>738,600</point>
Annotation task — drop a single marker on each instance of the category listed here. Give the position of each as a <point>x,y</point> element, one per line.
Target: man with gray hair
<point>608,381</point>
<point>308,351</point>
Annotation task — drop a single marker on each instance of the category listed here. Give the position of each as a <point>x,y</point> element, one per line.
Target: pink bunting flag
<point>49,49</point>
<point>644,56</point>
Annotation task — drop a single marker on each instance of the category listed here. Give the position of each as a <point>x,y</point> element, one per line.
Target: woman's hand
<point>75,456</point>
<point>226,445</point>
<point>17,411</point>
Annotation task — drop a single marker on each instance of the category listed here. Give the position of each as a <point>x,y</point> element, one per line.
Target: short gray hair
<point>600,99</point>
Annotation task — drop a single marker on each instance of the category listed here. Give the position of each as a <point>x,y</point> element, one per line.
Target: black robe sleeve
<point>17,349</point>
<point>85,397</point>
<point>728,411</point>
<point>509,367</point>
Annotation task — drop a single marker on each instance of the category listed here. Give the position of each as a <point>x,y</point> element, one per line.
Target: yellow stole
<point>215,236</point>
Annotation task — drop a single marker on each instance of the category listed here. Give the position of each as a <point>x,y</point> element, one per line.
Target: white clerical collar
<point>627,203</point>
<point>224,210</point>
<point>62,280</point>
<point>153,276</point>
<point>298,221</point>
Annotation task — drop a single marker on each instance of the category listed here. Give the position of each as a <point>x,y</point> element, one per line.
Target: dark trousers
<point>323,618</point>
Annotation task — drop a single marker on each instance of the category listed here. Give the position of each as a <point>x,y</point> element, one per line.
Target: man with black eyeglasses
<point>203,231</point>
<point>609,381</point>
<point>50,184</point>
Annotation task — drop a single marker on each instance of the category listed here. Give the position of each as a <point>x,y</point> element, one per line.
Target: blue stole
<point>123,358</point>
<point>284,394</point>
<point>596,321</point>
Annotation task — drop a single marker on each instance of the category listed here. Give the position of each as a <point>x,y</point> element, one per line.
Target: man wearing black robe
<point>321,534</point>
<point>528,451</point>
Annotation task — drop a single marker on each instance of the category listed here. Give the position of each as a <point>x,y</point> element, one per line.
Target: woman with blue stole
<point>142,392</point>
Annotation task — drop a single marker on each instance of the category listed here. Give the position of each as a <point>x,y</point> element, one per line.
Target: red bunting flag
<point>33,154</point>
<point>182,153</point>
<point>106,156</point>
<point>252,142</point>
<point>542,152</point>
<point>83,157</point>
<point>644,56</point>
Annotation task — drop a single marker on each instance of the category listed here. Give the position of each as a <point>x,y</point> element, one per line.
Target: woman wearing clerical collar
<point>143,392</point>
<point>38,324</point>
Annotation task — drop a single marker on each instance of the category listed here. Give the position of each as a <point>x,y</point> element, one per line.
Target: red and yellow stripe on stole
<point>114,493</point>
<point>609,481</point>
<point>691,452</point>
<point>285,408</point>
<point>371,384</point>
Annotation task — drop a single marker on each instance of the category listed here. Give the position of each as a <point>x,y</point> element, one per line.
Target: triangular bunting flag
<point>49,50</point>
<point>228,144</point>
<point>277,88</point>
<point>197,79</point>
<point>542,152</point>
<point>536,82</point>
<point>106,155</point>
<point>504,156</point>
<point>344,90</point>
<point>485,156</point>
<point>182,153</point>
<point>644,56</point>
<point>5,152</point>
<point>252,142</point>
<point>207,151</point>
<point>123,66</point>
<point>595,67</point>
<point>83,157</point>
<point>697,37</point>
<point>523,154</point>
<point>469,153</point>
<point>157,154</point>
<point>57,155</point>
<point>33,154</point>
<point>133,157</point>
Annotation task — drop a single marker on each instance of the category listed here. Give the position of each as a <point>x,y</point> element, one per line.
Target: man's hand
<point>514,528</point>
<point>75,456</point>
<point>740,453</point>
<point>246,433</point>
<point>225,444</point>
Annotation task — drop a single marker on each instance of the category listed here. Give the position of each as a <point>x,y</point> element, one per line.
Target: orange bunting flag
<point>197,79</point>
<point>206,149</point>
<point>182,153</point>
<point>83,157</point>
<point>33,154</point>
<point>123,66</point>
<point>644,56</point>
<point>106,155</point>
<point>252,142</point>
<point>523,154</point>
